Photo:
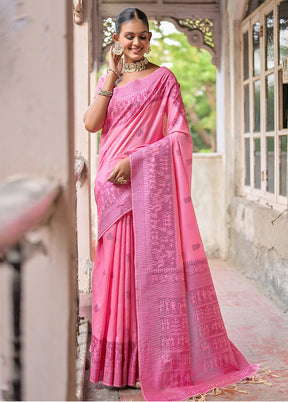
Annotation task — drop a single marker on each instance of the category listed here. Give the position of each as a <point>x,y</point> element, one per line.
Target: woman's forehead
<point>134,26</point>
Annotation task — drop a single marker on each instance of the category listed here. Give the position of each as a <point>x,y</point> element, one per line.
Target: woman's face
<point>134,39</point>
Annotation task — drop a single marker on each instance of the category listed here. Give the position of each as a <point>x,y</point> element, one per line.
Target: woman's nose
<point>136,41</point>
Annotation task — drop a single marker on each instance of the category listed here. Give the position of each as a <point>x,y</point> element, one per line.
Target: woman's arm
<point>95,115</point>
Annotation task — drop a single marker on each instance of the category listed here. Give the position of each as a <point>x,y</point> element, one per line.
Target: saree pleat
<point>114,352</point>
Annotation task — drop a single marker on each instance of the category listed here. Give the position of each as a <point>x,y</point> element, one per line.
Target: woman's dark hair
<point>129,14</point>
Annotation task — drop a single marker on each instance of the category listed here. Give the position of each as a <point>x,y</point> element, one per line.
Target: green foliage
<point>197,77</point>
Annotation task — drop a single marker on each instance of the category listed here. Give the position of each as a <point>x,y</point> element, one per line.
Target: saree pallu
<point>182,345</point>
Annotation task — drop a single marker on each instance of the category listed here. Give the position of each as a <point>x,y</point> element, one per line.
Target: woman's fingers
<point>112,59</point>
<point>111,56</point>
<point>121,172</point>
<point>120,65</point>
<point>117,178</point>
<point>115,60</point>
<point>113,175</point>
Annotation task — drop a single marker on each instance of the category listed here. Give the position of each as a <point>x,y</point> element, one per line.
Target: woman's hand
<point>121,172</point>
<point>95,115</point>
<point>115,61</point>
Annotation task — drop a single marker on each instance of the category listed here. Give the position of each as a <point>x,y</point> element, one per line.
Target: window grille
<point>264,82</point>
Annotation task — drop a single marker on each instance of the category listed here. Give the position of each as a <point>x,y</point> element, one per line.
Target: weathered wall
<point>254,244</point>
<point>260,248</point>
<point>208,200</point>
<point>37,137</point>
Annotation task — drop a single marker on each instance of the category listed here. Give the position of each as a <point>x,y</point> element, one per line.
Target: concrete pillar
<point>36,107</point>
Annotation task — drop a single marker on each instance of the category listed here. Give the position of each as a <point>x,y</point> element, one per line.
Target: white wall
<point>208,200</point>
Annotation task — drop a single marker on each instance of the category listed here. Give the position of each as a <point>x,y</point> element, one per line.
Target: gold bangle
<point>104,93</point>
<point>113,71</point>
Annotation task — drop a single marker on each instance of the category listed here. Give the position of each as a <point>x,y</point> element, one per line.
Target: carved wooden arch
<point>200,33</point>
<point>202,28</point>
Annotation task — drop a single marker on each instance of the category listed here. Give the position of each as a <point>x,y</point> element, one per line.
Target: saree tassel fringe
<point>257,379</point>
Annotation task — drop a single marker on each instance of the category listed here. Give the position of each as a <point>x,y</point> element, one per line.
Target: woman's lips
<point>136,50</point>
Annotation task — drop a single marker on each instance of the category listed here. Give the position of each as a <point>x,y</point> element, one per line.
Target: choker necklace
<point>138,66</point>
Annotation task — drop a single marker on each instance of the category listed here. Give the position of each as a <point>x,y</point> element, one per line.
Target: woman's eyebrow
<point>134,32</point>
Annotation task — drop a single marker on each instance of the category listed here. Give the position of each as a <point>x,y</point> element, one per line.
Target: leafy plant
<point>197,77</point>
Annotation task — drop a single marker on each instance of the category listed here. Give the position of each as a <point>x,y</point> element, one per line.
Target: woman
<point>155,313</point>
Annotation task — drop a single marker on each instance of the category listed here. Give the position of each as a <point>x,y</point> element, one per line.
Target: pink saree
<point>155,312</point>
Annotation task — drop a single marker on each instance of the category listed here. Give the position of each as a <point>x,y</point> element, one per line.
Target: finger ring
<point>121,180</point>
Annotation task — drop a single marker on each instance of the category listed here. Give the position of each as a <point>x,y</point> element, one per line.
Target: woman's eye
<point>132,37</point>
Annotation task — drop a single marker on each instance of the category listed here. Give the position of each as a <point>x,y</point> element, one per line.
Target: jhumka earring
<point>118,49</point>
<point>148,50</point>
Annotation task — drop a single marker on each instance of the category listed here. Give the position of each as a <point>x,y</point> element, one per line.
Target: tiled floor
<point>254,324</point>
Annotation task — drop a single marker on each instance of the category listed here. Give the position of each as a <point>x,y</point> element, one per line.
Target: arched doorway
<point>199,21</point>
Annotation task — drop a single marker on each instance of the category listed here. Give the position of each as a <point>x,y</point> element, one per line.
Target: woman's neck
<point>129,61</point>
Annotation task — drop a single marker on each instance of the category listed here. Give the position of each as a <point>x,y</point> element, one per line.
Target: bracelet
<point>104,93</point>
<point>113,71</point>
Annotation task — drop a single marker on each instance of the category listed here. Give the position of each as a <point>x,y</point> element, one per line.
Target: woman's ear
<point>115,37</point>
<point>150,36</point>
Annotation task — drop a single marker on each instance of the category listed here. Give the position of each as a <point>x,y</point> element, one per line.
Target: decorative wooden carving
<point>200,33</point>
<point>78,12</point>
<point>199,30</point>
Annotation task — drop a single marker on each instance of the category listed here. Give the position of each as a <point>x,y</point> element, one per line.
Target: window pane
<point>246,55</point>
<point>257,163</point>
<point>256,48</point>
<point>283,165</point>
<point>270,102</point>
<point>257,106</point>
<point>270,164</point>
<point>269,41</point>
<point>246,109</point>
<point>247,161</point>
<point>283,26</point>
